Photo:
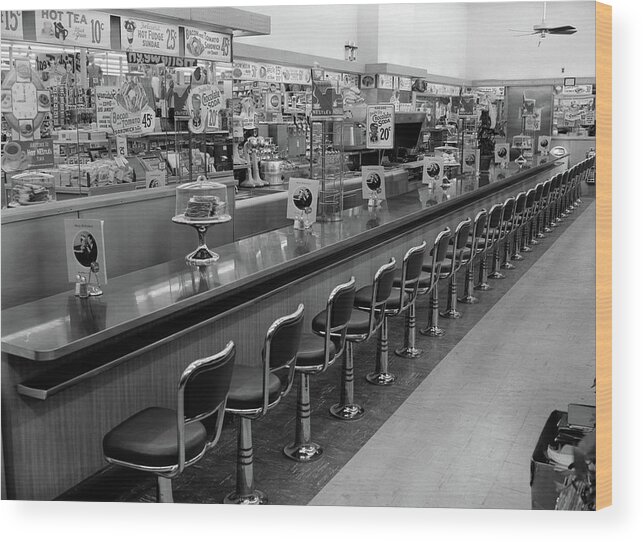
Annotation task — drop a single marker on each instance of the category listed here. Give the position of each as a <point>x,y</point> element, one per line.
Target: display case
<point>327,164</point>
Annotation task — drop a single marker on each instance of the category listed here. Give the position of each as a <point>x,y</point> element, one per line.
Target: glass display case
<point>327,165</point>
<point>99,120</point>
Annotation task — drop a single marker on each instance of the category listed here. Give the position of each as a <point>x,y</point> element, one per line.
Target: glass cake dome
<point>202,201</point>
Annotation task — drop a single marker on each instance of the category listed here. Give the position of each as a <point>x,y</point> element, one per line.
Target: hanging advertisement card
<point>380,123</point>
<point>132,113</point>
<point>273,102</point>
<point>373,185</point>
<point>432,170</point>
<point>208,45</point>
<point>73,28</point>
<point>327,102</point>
<point>12,25</point>
<point>155,178</point>
<point>367,81</point>
<point>203,104</point>
<point>149,37</point>
<point>167,61</point>
<point>405,83</point>
<point>501,154</point>
<point>85,247</point>
<point>121,145</point>
<point>544,143</point>
<point>21,155</point>
<point>302,202</point>
<point>105,103</point>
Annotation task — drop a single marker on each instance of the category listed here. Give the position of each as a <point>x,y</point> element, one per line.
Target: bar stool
<point>532,228</point>
<point>491,233</point>
<point>458,254</point>
<point>479,241</point>
<point>542,209</point>
<point>361,327</point>
<point>525,232</point>
<point>256,390</point>
<point>508,224</point>
<point>317,353</point>
<point>400,300</point>
<point>166,441</point>
<point>553,202</point>
<point>413,287</point>
<point>435,273</point>
<point>519,220</point>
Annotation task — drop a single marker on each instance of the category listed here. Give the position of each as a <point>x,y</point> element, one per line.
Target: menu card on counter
<point>433,170</point>
<point>373,184</point>
<point>501,154</point>
<point>302,201</point>
<point>85,245</point>
<point>544,144</point>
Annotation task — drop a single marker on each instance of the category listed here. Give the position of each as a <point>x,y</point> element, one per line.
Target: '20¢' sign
<point>380,126</point>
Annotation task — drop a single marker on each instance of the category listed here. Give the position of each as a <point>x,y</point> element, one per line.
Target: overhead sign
<point>246,70</point>
<point>12,25</point>
<point>79,27</point>
<point>208,45</point>
<point>380,123</point>
<point>149,37</point>
<point>167,61</point>
<point>405,83</point>
<point>384,80</point>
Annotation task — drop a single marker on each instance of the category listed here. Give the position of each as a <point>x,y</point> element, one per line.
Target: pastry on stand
<point>201,204</point>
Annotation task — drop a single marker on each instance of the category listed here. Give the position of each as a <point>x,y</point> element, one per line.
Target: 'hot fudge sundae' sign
<point>149,37</point>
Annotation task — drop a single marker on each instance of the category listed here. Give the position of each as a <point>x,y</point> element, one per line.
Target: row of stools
<point>166,441</point>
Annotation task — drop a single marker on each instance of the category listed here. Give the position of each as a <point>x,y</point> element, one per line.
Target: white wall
<point>430,36</point>
<point>471,41</point>
<point>493,52</point>
<point>315,29</point>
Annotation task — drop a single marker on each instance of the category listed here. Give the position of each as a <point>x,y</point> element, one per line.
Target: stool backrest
<point>439,253</point>
<point>546,190</point>
<point>508,208</point>
<point>519,209</point>
<point>339,308</point>
<point>479,225</point>
<point>495,215</point>
<point>203,392</point>
<point>411,270</point>
<point>280,353</point>
<point>460,238</point>
<point>382,287</point>
<point>539,193</point>
<point>531,198</point>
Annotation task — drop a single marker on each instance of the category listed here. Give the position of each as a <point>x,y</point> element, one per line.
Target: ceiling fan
<point>542,29</point>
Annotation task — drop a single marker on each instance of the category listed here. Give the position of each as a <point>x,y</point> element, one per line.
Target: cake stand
<point>202,255</point>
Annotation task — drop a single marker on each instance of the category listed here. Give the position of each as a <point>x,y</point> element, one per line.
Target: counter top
<point>53,327</point>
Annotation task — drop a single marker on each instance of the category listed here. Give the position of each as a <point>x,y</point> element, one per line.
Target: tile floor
<point>465,436</point>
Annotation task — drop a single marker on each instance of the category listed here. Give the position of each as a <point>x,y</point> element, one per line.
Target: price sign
<point>121,145</point>
<point>86,28</point>
<point>12,25</point>
<point>380,124</point>
<point>147,121</point>
<point>384,80</point>
<point>208,45</point>
<point>149,37</point>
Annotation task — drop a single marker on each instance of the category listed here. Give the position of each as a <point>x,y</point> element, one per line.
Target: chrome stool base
<point>347,412</point>
<point>256,497</point>
<point>451,314</point>
<point>534,242</point>
<point>381,379</point>
<point>303,453</point>
<point>517,257</point>
<point>525,248</point>
<point>483,287</point>
<point>541,235</point>
<point>496,276</point>
<point>432,331</point>
<point>469,300</point>
<point>507,265</point>
<point>408,352</point>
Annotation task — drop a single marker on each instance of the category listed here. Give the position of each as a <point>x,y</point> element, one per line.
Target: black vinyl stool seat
<point>477,239</point>
<point>164,441</point>
<point>316,353</point>
<point>361,327</point>
<point>490,239</point>
<point>406,292</point>
<point>437,269</point>
<point>256,390</point>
